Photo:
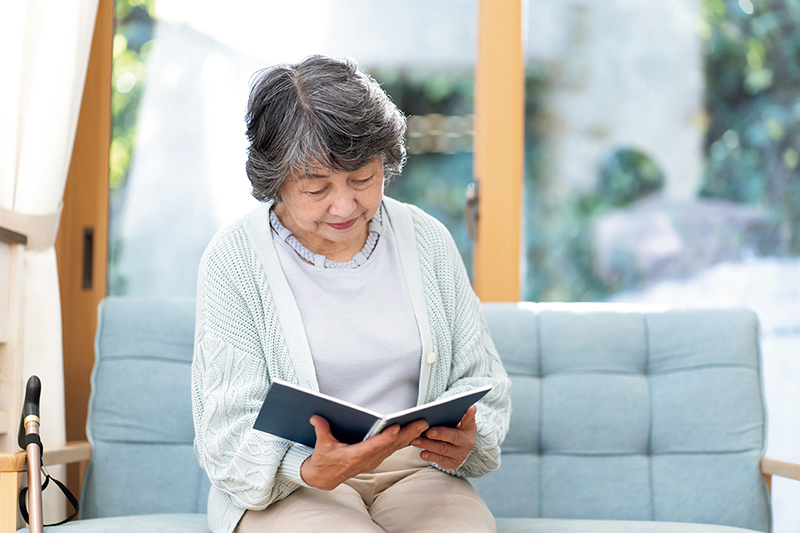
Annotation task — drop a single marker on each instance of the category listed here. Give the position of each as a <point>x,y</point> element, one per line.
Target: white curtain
<point>45,51</point>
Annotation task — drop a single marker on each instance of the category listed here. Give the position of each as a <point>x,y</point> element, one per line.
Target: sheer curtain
<point>45,47</point>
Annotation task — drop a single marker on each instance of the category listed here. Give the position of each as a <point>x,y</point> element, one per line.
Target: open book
<point>287,409</point>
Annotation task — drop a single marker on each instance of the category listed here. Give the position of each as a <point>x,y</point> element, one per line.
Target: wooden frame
<point>86,209</point>
<point>770,467</point>
<point>499,150</point>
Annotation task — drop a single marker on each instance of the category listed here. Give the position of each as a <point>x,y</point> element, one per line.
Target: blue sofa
<point>625,419</point>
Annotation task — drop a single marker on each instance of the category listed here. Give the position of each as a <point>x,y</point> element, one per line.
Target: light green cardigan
<point>249,331</point>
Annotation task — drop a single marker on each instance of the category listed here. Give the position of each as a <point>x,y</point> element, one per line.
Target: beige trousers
<point>403,495</point>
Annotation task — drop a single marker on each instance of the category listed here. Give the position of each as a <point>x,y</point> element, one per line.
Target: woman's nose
<point>342,202</point>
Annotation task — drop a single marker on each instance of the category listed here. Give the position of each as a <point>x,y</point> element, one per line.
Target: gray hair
<point>319,112</point>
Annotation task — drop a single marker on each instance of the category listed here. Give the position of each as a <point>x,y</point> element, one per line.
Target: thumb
<point>323,431</point>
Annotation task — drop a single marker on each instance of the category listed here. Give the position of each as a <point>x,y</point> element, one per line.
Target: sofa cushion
<point>630,413</point>
<point>152,523</point>
<point>196,523</point>
<point>140,418</point>
<point>541,525</point>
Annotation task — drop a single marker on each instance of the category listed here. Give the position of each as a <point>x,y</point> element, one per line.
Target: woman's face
<point>330,212</point>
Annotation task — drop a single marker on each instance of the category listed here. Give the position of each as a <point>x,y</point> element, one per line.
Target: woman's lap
<point>430,500</point>
<point>312,510</point>
<point>409,497</point>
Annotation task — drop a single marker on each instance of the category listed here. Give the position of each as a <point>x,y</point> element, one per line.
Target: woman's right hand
<point>334,462</point>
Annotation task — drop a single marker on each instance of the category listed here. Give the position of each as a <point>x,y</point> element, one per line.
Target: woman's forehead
<point>315,169</point>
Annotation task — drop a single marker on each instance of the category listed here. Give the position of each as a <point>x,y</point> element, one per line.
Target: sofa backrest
<point>619,412</point>
<point>630,413</point>
<point>140,417</point>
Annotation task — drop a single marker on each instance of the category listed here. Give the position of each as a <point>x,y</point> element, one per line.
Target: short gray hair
<point>319,112</point>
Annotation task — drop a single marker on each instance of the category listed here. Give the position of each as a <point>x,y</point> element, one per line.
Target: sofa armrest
<point>13,465</point>
<point>771,467</point>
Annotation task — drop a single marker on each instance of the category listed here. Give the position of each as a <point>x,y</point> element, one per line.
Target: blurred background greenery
<point>752,58</point>
<point>133,41</point>
<point>135,20</point>
<point>753,140</point>
<point>435,181</point>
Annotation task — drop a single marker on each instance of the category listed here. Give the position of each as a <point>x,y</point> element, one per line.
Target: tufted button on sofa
<point>625,419</point>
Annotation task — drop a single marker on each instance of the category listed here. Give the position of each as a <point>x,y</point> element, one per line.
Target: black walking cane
<point>29,440</point>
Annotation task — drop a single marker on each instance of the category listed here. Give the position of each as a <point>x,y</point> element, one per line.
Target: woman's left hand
<point>448,447</point>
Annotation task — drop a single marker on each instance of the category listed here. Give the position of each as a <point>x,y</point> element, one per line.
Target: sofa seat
<point>146,523</point>
<point>196,523</point>
<point>553,525</point>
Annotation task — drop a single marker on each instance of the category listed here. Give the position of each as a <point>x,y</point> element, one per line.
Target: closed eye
<point>364,181</point>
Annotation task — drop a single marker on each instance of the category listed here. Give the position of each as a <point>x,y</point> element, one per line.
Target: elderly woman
<point>334,287</point>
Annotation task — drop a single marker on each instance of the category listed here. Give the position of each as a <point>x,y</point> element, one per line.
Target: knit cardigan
<point>249,332</point>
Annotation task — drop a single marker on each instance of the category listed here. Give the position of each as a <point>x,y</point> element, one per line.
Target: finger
<point>395,438</point>
<point>403,436</point>
<point>439,448</point>
<point>323,431</point>
<point>448,463</point>
<point>412,431</point>
<point>456,437</point>
<point>380,441</point>
<point>469,418</point>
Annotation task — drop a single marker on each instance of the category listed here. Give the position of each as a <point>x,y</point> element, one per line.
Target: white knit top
<point>249,331</point>
<point>358,320</point>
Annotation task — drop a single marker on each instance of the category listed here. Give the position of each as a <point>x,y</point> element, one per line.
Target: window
<point>662,167</point>
<point>181,82</point>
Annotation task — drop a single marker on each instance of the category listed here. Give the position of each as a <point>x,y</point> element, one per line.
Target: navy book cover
<point>287,409</point>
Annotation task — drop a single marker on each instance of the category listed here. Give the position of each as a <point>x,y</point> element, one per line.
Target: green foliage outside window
<point>753,100</point>
<point>132,44</point>
<point>752,53</point>
<point>133,40</point>
<point>436,182</point>
<point>752,57</point>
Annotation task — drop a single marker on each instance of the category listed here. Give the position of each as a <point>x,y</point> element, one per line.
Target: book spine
<point>376,428</point>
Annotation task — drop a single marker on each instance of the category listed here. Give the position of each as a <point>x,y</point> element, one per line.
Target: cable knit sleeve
<point>463,342</point>
<point>229,382</point>
<point>476,362</point>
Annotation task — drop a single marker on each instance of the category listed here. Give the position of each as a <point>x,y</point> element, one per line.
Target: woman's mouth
<point>343,225</point>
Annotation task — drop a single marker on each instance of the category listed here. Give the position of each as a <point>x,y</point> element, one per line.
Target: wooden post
<point>499,149</point>
<point>10,484</point>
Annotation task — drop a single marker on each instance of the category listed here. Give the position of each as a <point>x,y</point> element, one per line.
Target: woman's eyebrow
<point>321,174</point>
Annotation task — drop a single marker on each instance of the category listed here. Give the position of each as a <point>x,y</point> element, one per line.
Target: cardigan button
<point>431,358</point>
